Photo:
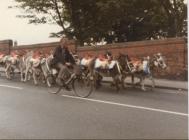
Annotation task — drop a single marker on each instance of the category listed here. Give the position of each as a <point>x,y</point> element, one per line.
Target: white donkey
<point>33,65</point>
<point>142,69</point>
<point>11,64</point>
<point>25,72</point>
<point>145,69</point>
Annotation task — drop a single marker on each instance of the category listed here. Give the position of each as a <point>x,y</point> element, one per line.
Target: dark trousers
<point>77,69</point>
<point>65,72</point>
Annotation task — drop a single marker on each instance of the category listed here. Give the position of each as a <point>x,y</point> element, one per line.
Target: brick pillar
<point>6,46</point>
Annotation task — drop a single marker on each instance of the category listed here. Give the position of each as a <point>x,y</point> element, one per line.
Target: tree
<point>43,11</point>
<point>175,14</point>
<point>112,20</point>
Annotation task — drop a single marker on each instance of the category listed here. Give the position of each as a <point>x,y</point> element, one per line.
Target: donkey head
<point>159,61</point>
<point>14,57</point>
<point>123,60</point>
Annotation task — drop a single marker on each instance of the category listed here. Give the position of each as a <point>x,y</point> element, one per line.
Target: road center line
<point>127,105</point>
<point>19,88</point>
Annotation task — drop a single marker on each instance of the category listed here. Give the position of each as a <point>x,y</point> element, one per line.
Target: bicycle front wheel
<point>52,86</point>
<point>82,86</point>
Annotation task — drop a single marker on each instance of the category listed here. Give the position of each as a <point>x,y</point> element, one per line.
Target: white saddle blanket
<point>7,58</point>
<point>104,64</point>
<point>146,67</point>
<point>85,62</point>
<point>142,66</point>
<point>54,71</point>
<point>35,62</point>
<point>1,58</point>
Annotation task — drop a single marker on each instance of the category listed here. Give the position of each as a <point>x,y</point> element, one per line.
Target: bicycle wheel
<point>82,86</point>
<point>52,86</point>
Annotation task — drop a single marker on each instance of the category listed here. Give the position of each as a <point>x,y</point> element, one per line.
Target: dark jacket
<point>62,55</point>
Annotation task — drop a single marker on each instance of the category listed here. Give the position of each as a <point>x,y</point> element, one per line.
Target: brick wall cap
<point>5,41</point>
<point>41,45</point>
<point>179,40</point>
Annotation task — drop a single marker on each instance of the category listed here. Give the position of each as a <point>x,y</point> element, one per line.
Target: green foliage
<point>111,20</point>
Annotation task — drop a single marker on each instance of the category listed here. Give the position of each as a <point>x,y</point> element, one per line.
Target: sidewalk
<point>159,83</point>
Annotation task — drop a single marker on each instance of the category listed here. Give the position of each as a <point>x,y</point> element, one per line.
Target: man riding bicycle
<point>62,58</point>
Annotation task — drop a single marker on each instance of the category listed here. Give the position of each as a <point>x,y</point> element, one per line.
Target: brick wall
<point>43,47</point>
<point>174,49</point>
<point>5,46</point>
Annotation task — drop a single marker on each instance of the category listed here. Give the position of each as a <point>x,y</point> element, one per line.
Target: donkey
<point>126,68</point>
<point>25,71</point>
<point>34,64</point>
<point>99,68</point>
<point>30,65</point>
<point>142,69</point>
<point>2,64</point>
<point>11,63</point>
<point>46,67</point>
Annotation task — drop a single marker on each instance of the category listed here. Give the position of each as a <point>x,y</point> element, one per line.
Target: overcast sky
<point>18,29</point>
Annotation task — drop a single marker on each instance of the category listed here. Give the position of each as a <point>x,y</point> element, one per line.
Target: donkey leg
<point>142,84</point>
<point>35,78</point>
<point>116,81</point>
<point>140,80</point>
<point>133,80</point>
<point>153,82</point>
<point>21,76</point>
<point>26,74</point>
<point>43,79</point>
<point>95,81</point>
<point>123,81</point>
<point>7,71</point>
<point>30,73</point>
<point>98,80</point>
<point>22,72</point>
<point>42,76</point>
<point>44,73</point>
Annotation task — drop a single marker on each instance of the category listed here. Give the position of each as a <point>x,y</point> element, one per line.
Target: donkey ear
<point>159,54</point>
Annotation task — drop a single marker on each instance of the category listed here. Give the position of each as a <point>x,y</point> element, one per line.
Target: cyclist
<point>62,58</point>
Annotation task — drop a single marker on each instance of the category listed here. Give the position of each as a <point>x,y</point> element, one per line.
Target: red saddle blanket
<point>102,58</point>
<point>1,56</point>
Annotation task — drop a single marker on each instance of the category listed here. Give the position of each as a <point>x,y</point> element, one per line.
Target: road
<point>29,112</point>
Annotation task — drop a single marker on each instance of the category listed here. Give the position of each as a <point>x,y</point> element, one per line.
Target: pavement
<point>159,83</point>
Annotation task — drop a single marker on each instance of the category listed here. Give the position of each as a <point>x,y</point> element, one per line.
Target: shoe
<point>67,88</point>
<point>59,82</point>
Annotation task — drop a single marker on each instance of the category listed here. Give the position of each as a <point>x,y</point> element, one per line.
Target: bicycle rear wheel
<point>52,86</point>
<point>82,86</point>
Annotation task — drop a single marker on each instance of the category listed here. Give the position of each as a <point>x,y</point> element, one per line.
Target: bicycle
<point>82,84</point>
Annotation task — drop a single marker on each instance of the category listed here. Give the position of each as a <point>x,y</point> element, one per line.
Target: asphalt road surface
<point>28,112</point>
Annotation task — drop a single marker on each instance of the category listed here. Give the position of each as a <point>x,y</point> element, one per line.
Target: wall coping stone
<point>133,44</point>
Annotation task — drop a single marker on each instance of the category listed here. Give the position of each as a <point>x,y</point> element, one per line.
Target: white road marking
<point>127,105</point>
<point>11,87</point>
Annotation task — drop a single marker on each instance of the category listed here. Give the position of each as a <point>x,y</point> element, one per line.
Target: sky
<point>19,30</point>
